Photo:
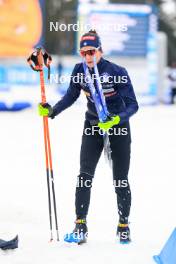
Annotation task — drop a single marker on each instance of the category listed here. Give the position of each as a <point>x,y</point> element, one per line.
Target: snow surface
<point>23,189</point>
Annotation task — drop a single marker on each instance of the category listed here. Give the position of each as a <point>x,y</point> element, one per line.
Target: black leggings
<point>173,95</point>
<point>91,149</point>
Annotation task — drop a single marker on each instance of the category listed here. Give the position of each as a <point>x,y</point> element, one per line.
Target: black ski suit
<point>120,100</point>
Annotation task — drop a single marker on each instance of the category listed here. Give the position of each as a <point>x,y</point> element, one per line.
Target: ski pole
<point>46,131</point>
<point>39,58</point>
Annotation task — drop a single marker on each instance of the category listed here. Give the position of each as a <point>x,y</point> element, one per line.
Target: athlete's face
<point>88,53</point>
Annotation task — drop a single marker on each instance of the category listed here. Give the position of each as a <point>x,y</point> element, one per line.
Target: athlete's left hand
<point>105,126</point>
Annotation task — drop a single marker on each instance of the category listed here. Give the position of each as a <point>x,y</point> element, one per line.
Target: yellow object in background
<point>20,26</point>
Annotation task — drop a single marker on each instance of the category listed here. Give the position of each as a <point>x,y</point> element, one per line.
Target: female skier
<point>121,104</point>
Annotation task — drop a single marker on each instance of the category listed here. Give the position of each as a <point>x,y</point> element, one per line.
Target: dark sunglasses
<point>87,52</point>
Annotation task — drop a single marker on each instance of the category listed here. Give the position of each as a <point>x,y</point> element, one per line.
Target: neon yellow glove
<point>105,126</point>
<point>45,109</point>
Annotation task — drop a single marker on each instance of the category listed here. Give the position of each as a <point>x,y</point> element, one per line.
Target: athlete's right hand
<point>45,110</point>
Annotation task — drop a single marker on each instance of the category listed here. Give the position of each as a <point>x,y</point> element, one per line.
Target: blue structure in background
<point>17,106</point>
<point>21,75</point>
<point>141,25</point>
<point>168,253</point>
<point>18,76</point>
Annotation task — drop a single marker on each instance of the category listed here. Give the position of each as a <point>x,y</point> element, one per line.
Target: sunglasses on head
<point>87,52</point>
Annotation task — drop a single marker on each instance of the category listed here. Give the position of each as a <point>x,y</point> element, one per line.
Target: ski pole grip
<point>38,59</point>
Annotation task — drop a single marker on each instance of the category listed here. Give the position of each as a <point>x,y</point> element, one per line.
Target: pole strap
<point>39,58</point>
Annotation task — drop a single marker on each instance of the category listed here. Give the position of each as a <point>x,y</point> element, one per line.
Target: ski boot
<point>79,234</point>
<point>123,231</point>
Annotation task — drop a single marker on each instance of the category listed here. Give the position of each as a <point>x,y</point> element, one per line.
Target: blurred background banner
<point>21,29</point>
<point>124,29</point>
<point>21,26</point>
<point>135,34</point>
